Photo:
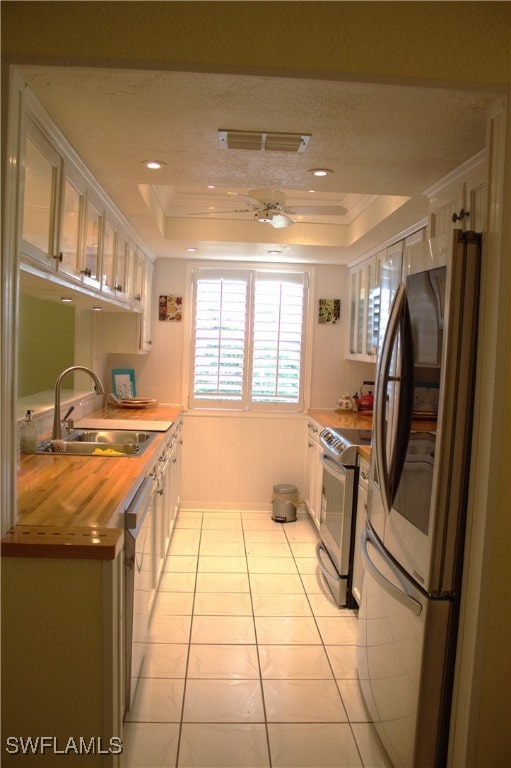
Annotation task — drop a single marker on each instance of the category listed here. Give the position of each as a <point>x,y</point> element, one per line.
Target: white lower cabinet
<point>166,498</point>
<point>363,478</point>
<point>314,472</point>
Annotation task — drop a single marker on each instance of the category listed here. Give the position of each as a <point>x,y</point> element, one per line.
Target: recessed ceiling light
<point>97,309</point>
<point>274,253</point>
<point>319,171</point>
<point>191,250</point>
<point>154,165</point>
<point>66,299</point>
<point>211,186</point>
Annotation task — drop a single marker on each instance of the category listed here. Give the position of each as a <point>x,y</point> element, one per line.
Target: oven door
<point>335,530</point>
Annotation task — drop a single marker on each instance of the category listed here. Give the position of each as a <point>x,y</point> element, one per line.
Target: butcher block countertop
<point>356,420</point>
<point>346,419</point>
<point>70,495</point>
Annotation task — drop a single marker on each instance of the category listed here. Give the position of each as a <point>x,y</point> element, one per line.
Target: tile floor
<point>249,663</point>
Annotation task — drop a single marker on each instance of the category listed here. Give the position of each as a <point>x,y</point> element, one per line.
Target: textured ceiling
<point>385,144</point>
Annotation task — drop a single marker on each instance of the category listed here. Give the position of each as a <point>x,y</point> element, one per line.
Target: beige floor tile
<point>343,659</point>
<point>307,565</point>
<point>304,548</point>
<point>324,605</point>
<point>275,583</point>
<point>353,701</point>
<point>157,700</point>
<point>216,701</point>
<point>222,582</point>
<point>286,630</point>
<point>223,662</point>
<point>223,745</point>
<point>170,629</point>
<point>294,662</point>
<point>271,565</point>
<point>313,583</point>
<point>150,745</point>
<point>281,605</point>
<point>268,549</point>
<point>304,701</point>
<point>177,603</point>
<point>227,564</point>
<point>265,536</point>
<point>223,629</point>
<point>177,582</point>
<point>321,745</point>
<point>340,630</point>
<point>180,564</point>
<point>222,604</point>
<point>221,548</point>
<point>165,660</point>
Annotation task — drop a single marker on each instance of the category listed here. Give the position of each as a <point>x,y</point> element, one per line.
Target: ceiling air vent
<point>262,141</point>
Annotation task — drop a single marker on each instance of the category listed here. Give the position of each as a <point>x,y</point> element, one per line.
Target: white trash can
<point>285,501</point>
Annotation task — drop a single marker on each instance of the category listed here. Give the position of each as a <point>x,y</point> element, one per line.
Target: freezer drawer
<point>401,660</point>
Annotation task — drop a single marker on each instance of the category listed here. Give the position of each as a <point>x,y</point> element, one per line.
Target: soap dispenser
<point>28,434</point>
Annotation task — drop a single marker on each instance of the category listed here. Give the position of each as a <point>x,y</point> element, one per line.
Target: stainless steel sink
<point>109,436</point>
<point>105,442</point>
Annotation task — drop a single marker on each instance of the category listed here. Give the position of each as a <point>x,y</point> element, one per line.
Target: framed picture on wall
<point>123,382</point>
<point>329,311</point>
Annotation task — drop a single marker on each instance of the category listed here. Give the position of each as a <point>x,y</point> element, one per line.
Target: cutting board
<point>134,424</point>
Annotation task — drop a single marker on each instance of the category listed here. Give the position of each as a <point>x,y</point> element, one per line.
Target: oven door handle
<point>333,466</point>
<point>333,576</point>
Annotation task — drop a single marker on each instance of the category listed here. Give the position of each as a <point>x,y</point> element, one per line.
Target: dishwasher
<point>138,543</point>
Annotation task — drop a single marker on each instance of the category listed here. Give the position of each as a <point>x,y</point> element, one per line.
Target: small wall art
<point>170,308</point>
<point>123,382</point>
<point>329,311</point>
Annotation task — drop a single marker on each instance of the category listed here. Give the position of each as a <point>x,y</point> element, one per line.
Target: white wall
<point>233,460</point>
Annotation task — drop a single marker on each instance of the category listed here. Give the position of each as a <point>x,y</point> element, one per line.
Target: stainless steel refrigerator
<point>412,545</point>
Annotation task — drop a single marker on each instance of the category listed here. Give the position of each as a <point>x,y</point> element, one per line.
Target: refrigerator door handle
<point>382,378</point>
<point>401,596</point>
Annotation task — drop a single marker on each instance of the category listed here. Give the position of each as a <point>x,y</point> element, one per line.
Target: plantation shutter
<point>248,338</point>
<point>220,335</point>
<point>277,338</point>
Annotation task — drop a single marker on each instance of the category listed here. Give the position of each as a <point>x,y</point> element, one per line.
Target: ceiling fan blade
<point>319,210</point>
<point>272,197</point>
<point>211,213</point>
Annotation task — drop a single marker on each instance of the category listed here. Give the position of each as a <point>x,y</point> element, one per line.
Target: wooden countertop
<point>63,491</point>
<point>357,420</point>
<point>52,542</point>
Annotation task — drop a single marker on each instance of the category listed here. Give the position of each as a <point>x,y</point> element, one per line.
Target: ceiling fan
<point>269,206</point>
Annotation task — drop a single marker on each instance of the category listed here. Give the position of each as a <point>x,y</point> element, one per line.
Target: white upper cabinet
<point>39,198</point>
<point>459,200</point>
<point>70,232</point>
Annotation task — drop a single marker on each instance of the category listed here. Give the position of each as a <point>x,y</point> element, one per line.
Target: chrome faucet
<point>98,386</point>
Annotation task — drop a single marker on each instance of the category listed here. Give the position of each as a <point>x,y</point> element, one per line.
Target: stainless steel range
<point>338,510</point>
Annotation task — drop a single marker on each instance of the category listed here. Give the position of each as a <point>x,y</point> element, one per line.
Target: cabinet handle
<point>459,217</point>
<point>58,257</point>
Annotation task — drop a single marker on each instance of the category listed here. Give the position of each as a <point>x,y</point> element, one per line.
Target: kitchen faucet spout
<point>98,386</point>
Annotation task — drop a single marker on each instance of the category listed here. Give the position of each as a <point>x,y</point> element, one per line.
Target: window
<point>248,339</point>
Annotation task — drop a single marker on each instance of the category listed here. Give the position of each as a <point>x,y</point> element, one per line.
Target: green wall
<point>40,360</point>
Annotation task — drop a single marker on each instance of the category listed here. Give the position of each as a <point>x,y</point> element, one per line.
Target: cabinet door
<point>108,253</point>
<point>71,221</point>
<point>135,274</point>
<point>90,260</point>
<point>39,202</point>
<point>314,476</point>
<point>147,308</point>
<point>121,267</point>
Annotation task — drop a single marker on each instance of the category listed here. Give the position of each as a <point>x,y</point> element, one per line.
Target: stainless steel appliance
<point>412,546</point>
<point>338,511</point>
<point>138,543</point>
